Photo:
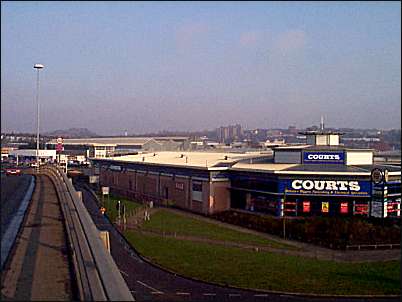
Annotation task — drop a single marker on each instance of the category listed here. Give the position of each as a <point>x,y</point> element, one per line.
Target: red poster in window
<point>344,207</point>
<point>306,206</point>
<point>361,209</point>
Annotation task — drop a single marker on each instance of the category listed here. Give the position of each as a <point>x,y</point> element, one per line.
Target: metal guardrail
<point>373,246</point>
<point>98,278</point>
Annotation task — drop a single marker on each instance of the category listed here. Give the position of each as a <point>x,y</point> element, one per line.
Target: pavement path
<point>39,268</point>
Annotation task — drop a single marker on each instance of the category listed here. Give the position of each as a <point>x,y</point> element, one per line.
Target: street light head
<point>38,66</point>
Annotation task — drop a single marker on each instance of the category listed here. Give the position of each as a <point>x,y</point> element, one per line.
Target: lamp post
<point>37,67</point>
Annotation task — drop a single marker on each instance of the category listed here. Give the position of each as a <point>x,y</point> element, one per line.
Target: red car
<point>13,171</point>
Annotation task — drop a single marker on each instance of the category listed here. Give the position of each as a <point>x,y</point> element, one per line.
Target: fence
<point>373,246</point>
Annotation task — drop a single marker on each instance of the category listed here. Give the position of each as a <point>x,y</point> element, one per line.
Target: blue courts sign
<point>316,187</point>
<point>328,157</point>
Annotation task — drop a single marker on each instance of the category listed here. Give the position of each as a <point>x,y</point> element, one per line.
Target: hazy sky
<point>150,66</point>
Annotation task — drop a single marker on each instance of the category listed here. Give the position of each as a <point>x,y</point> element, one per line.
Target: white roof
<point>188,159</point>
<point>99,141</point>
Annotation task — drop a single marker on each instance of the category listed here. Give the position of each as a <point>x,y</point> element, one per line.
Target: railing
<point>98,278</point>
<point>373,246</point>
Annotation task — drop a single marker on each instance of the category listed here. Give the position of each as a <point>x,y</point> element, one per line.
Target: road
<point>150,283</point>
<point>13,189</point>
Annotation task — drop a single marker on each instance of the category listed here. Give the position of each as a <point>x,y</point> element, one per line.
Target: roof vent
<point>225,158</point>
<point>181,155</point>
<point>143,158</point>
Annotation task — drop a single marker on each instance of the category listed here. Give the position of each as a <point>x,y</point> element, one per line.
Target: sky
<point>153,66</point>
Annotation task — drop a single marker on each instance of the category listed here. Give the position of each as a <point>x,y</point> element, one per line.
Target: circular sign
<point>376,176</point>
<point>59,140</point>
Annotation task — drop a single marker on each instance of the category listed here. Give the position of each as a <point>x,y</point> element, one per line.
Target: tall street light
<point>37,67</point>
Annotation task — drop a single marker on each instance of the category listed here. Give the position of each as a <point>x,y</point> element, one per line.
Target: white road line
<point>261,295</point>
<point>154,290</point>
<point>183,294</point>
<point>157,293</point>
<point>124,273</point>
<point>209,294</point>
<point>234,295</point>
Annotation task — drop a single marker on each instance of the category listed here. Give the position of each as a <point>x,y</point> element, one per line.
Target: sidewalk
<point>39,268</point>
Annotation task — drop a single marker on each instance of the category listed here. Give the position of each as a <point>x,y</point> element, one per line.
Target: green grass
<point>165,221</point>
<point>110,205</point>
<point>270,271</point>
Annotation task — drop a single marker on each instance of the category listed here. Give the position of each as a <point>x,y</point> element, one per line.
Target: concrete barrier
<point>98,277</point>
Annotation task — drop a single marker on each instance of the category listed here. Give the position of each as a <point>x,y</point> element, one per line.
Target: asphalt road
<point>150,283</point>
<point>13,189</point>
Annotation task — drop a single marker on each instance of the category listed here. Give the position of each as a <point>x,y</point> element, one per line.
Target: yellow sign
<point>325,206</point>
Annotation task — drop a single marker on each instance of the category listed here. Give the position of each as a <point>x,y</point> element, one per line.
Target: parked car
<point>13,171</point>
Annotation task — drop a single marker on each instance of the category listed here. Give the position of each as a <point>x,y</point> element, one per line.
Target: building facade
<point>322,178</point>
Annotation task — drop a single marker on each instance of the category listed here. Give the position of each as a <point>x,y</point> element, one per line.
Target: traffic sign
<point>105,190</point>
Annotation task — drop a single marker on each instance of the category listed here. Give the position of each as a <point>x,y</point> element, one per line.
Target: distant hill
<point>72,133</point>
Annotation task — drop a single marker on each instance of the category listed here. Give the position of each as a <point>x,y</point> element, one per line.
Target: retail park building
<point>318,178</point>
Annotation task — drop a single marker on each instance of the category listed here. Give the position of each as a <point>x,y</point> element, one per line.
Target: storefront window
<point>197,191</point>
<point>344,209</point>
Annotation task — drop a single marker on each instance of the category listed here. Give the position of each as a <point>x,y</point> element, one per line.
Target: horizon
<point>153,67</point>
<point>167,132</point>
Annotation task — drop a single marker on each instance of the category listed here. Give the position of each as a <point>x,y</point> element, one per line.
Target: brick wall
<point>147,187</point>
<point>219,199</point>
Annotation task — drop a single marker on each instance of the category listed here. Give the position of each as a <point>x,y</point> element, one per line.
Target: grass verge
<point>165,221</point>
<point>269,271</point>
<point>110,205</point>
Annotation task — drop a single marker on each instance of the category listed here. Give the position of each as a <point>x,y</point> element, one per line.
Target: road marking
<point>261,295</point>
<point>183,294</point>
<point>150,287</point>
<point>209,294</point>
<point>124,273</point>
<point>157,293</point>
<point>234,295</point>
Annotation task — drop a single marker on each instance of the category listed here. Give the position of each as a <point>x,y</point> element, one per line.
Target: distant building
<point>229,133</point>
<point>292,130</point>
<point>30,155</point>
<point>111,146</point>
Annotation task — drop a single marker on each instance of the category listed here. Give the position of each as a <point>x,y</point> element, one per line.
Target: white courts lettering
<point>325,185</point>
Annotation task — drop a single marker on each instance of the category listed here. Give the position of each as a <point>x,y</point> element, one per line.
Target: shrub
<point>332,232</point>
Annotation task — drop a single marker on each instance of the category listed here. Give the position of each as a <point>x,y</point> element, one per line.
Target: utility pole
<point>37,67</point>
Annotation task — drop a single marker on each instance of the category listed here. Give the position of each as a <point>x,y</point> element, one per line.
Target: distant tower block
<point>125,132</point>
<point>322,123</point>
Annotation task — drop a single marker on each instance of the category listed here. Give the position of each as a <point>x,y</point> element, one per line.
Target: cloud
<point>249,38</point>
<point>291,40</point>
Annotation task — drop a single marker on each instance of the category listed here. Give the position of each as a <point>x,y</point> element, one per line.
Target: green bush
<point>332,232</point>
